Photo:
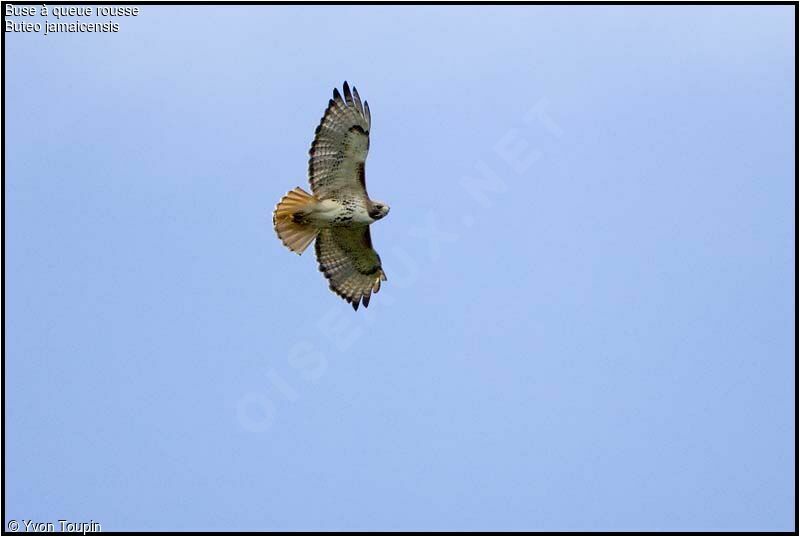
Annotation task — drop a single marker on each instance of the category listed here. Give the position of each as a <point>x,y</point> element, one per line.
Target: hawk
<point>339,212</point>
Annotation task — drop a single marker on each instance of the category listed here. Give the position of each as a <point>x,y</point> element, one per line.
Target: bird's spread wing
<point>352,266</point>
<point>340,147</point>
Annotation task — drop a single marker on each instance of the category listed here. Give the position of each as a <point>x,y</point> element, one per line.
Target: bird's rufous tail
<point>287,219</point>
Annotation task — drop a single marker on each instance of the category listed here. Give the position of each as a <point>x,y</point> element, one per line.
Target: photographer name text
<point>63,526</point>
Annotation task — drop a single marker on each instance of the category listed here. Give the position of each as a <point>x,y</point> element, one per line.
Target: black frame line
<point>796,5</point>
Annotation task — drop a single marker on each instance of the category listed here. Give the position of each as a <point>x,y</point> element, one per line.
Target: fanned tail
<point>287,219</point>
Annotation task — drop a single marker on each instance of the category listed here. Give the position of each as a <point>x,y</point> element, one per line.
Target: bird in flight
<point>339,212</point>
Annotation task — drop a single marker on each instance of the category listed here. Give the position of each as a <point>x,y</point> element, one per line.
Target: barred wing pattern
<point>340,147</point>
<point>350,264</point>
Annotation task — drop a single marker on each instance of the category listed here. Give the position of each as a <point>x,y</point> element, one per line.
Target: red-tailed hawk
<point>339,212</point>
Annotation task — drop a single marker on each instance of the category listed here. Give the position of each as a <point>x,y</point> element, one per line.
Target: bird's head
<point>378,210</point>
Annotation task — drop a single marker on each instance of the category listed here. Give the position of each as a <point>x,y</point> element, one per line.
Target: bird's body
<point>339,212</point>
<point>345,212</point>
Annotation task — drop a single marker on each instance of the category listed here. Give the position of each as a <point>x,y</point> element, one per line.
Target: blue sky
<point>589,317</point>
